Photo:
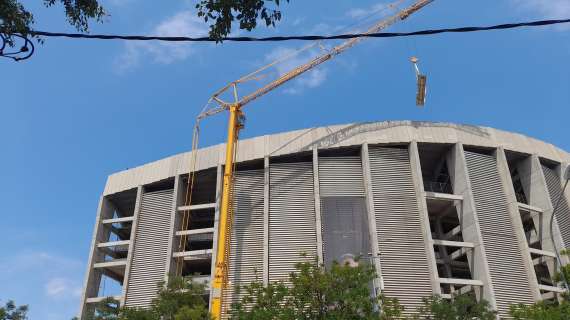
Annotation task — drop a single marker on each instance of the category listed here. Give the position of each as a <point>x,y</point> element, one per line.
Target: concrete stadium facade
<point>438,208</point>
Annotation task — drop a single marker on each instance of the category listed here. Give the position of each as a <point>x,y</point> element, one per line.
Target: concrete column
<point>133,236</point>
<point>540,197</point>
<point>219,184</point>
<point>507,183</point>
<point>561,170</point>
<point>469,222</point>
<point>177,200</point>
<point>563,167</point>
<point>93,277</point>
<point>378,282</point>
<point>424,217</point>
<point>266,220</point>
<point>317,206</point>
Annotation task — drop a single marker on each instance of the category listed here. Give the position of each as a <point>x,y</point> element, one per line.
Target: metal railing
<point>440,187</point>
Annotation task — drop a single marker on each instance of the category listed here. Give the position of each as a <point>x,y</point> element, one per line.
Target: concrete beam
<point>529,208</point>
<point>101,299</point>
<point>118,220</point>
<point>551,288</point>
<point>197,207</point>
<point>443,196</point>
<point>124,243</point>
<point>452,233</point>
<point>542,252</point>
<point>459,253</point>
<point>193,254</point>
<point>110,264</point>
<point>448,243</point>
<point>457,281</point>
<point>452,263</point>
<point>194,231</point>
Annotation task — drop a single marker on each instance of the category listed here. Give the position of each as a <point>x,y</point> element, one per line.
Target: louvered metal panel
<point>345,228</point>
<point>150,248</point>
<point>509,276</point>
<point>246,253</point>
<point>340,176</point>
<point>292,224</point>
<point>403,258</point>
<point>563,211</point>
<point>343,213</point>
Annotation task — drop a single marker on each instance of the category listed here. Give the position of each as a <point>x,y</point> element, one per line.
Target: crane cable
<point>188,198</point>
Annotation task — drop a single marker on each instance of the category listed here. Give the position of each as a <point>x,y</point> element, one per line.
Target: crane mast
<point>235,124</point>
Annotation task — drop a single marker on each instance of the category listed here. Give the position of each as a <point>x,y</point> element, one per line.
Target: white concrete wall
<point>335,136</point>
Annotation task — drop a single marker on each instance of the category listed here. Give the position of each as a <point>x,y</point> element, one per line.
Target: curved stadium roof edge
<point>291,142</point>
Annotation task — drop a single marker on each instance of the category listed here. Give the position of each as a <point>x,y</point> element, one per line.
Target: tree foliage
<point>391,308</point>
<point>564,270</point>
<point>461,307</point>
<point>16,19</point>
<point>246,12</point>
<point>542,311</point>
<point>547,310</point>
<point>343,292</point>
<point>180,299</point>
<point>313,292</point>
<point>12,312</point>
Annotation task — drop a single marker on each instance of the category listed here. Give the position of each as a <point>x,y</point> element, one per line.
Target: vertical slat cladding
<point>504,253</point>
<point>292,225</point>
<point>563,210</point>
<point>403,258</point>
<point>340,176</point>
<point>150,249</point>
<point>246,253</point>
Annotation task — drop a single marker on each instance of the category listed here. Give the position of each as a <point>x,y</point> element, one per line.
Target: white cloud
<point>44,261</point>
<point>51,282</point>
<point>184,23</point>
<point>297,21</point>
<point>359,13</point>
<point>546,8</point>
<point>311,79</point>
<point>117,3</point>
<point>62,288</point>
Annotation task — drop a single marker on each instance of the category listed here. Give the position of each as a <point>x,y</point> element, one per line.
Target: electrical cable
<point>560,197</point>
<point>301,37</point>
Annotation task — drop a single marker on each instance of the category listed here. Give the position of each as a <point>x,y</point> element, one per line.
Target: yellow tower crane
<point>235,124</point>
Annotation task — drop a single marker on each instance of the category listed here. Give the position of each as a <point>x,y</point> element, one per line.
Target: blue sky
<point>81,110</point>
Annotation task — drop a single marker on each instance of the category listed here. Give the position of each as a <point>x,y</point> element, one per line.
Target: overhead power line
<point>301,37</point>
<point>27,50</point>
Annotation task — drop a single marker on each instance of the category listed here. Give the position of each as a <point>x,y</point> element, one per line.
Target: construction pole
<point>221,270</point>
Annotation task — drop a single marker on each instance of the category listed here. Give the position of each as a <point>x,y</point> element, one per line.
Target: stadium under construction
<point>437,208</point>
